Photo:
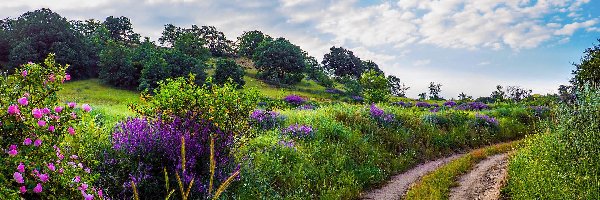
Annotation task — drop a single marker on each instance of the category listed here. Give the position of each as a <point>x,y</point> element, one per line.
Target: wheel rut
<point>484,181</point>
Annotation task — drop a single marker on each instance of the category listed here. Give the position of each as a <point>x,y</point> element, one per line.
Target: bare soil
<point>484,181</point>
<point>397,186</point>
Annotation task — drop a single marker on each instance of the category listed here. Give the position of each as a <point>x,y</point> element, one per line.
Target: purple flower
<point>18,177</point>
<point>41,123</point>
<point>44,177</point>
<point>76,179</point>
<point>12,151</point>
<point>67,77</point>
<point>298,131</point>
<point>490,121</point>
<point>379,115</point>
<point>86,107</point>
<point>23,189</point>
<point>87,196</point>
<point>265,119</point>
<point>422,104</point>
<point>24,73</point>
<point>375,111</point>
<point>333,91</point>
<point>23,101</point>
<point>294,99</point>
<point>71,130</point>
<point>38,188</point>
<point>37,142</point>
<point>21,168</point>
<point>287,144</point>
<point>51,128</point>
<point>306,107</point>
<point>58,109</point>
<point>449,104</point>
<point>71,104</point>
<point>27,141</point>
<point>37,113</point>
<point>358,98</point>
<point>51,167</point>
<point>13,109</point>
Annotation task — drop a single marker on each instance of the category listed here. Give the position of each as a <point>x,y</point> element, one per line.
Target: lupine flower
<point>44,177</point>
<point>487,119</point>
<point>38,188</point>
<point>13,150</point>
<point>23,189</point>
<point>24,73</point>
<point>298,131</point>
<point>58,109</point>
<point>375,111</point>
<point>37,142</point>
<point>71,130</point>
<point>265,119</point>
<point>72,104</point>
<point>51,128</point>
<point>13,110</point>
<point>51,167</point>
<point>294,99</point>
<point>449,104</point>
<point>422,104</point>
<point>37,113</point>
<point>42,123</point>
<point>27,141</point>
<point>23,101</point>
<point>18,177</point>
<point>21,168</point>
<point>86,107</point>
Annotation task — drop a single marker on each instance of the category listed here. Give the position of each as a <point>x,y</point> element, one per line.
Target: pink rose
<point>58,109</point>
<point>13,110</point>
<point>38,188</point>
<point>23,101</point>
<point>21,168</point>
<point>86,107</point>
<point>42,123</point>
<point>37,113</point>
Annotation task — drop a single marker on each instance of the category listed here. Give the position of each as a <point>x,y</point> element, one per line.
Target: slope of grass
<point>105,99</point>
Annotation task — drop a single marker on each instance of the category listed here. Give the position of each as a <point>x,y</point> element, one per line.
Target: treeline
<point>112,51</point>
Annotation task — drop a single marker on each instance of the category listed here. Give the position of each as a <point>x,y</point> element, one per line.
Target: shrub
<point>422,104</point>
<point>294,100</point>
<point>227,69</point>
<point>380,116</point>
<point>436,120</point>
<point>265,120</point>
<point>375,87</point>
<point>116,67</point>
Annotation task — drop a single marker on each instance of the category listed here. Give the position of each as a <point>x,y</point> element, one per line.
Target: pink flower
<point>27,141</point>
<point>24,73</point>
<point>37,142</point>
<point>71,130</point>
<point>18,177</point>
<point>23,189</point>
<point>37,113</point>
<point>60,156</point>
<point>58,109</point>
<point>13,110</point>
<point>87,170</point>
<point>100,193</point>
<point>61,170</point>
<point>23,101</point>
<point>51,128</point>
<point>67,77</point>
<point>73,115</point>
<point>87,196</point>
<point>86,107</point>
<point>83,187</point>
<point>21,168</point>
<point>42,123</point>
<point>44,177</point>
<point>51,167</point>
<point>38,188</point>
<point>13,150</point>
<point>72,104</point>
<point>45,111</point>
<point>76,179</point>
<point>74,157</point>
<point>51,77</point>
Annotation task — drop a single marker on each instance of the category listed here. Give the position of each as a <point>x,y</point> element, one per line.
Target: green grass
<point>437,184</point>
<point>106,99</point>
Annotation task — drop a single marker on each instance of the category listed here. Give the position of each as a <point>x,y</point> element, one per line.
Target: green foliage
<point>211,39</point>
<point>279,62</point>
<point>116,67</point>
<point>434,91</point>
<point>588,68</point>
<point>121,30</point>
<point>227,70</point>
<point>563,162</point>
<point>397,88</point>
<point>249,41</point>
<point>342,62</point>
<point>316,72</point>
<point>188,44</point>
<point>375,87</point>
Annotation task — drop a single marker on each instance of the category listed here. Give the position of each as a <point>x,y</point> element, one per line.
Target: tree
<point>170,34</point>
<point>422,96</point>
<point>279,62</point>
<point>121,30</point>
<point>315,71</point>
<point>116,67</point>
<point>498,95</point>
<point>227,70</point>
<point>191,46</point>
<point>397,88</point>
<point>464,97</point>
<point>370,65</point>
<point>342,62</point>
<point>588,70</point>
<point>216,42</point>
<point>517,93</point>
<point>375,87</point>
<point>249,41</point>
<point>434,91</point>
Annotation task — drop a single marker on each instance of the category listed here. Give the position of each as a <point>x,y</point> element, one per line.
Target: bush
<point>227,69</point>
<point>294,100</point>
<point>375,87</point>
<point>116,67</point>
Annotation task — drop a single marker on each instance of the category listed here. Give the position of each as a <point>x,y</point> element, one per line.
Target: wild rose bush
<point>37,134</point>
<point>144,147</point>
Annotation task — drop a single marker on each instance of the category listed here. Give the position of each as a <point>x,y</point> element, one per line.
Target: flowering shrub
<point>34,129</point>
<point>449,104</point>
<point>306,107</point>
<point>486,121</point>
<point>294,100</point>
<point>422,104</point>
<point>475,106</point>
<point>379,115</point>
<point>144,147</point>
<point>265,120</point>
<point>298,131</point>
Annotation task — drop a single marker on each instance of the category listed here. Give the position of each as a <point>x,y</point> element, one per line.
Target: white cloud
<point>569,29</point>
<point>421,62</point>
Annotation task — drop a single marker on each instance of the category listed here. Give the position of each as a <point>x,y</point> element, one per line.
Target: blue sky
<point>467,46</point>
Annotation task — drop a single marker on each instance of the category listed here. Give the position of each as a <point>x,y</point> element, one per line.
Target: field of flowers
<point>186,141</point>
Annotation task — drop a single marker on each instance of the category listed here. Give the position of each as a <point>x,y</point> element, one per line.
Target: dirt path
<point>484,181</point>
<point>398,185</point>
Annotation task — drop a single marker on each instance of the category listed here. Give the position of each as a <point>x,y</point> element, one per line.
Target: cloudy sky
<point>466,45</point>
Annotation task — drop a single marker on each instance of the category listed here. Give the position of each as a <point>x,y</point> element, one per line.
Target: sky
<point>466,45</point>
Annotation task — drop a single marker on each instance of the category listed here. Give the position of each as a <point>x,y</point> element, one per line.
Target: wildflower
<point>42,123</point>
<point>61,170</point>
<point>58,109</point>
<point>87,170</point>
<point>13,109</point>
<point>13,150</point>
<point>74,157</point>
<point>298,131</point>
<point>23,189</point>
<point>71,130</point>
<point>487,119</point>
<point>358,98</point>
<point>422,104</point>
<point>23,101</point>
<point>37,113</point>
<point>375,111</point>
<point>71,104</point>
<point>24,73</point>
<point>27,141</point>
<point>87,196</point>
<point>73,115</point>
<point>86,107</point>
<point>67,77</point>
<point>51,77</point>
<point>38,188</point>
<point>294,99</point>
<point>449,104</point>
<point>21,168</point>
<point>44,177</point>
<point>18,177</point>
<point>51,128</point>
<point>37,142</point>
<point>83,187</point>
<point>51,167</point>
<point>76,179</point>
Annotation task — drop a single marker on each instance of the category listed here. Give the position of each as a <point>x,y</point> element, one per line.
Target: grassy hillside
<point>103,98</point>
